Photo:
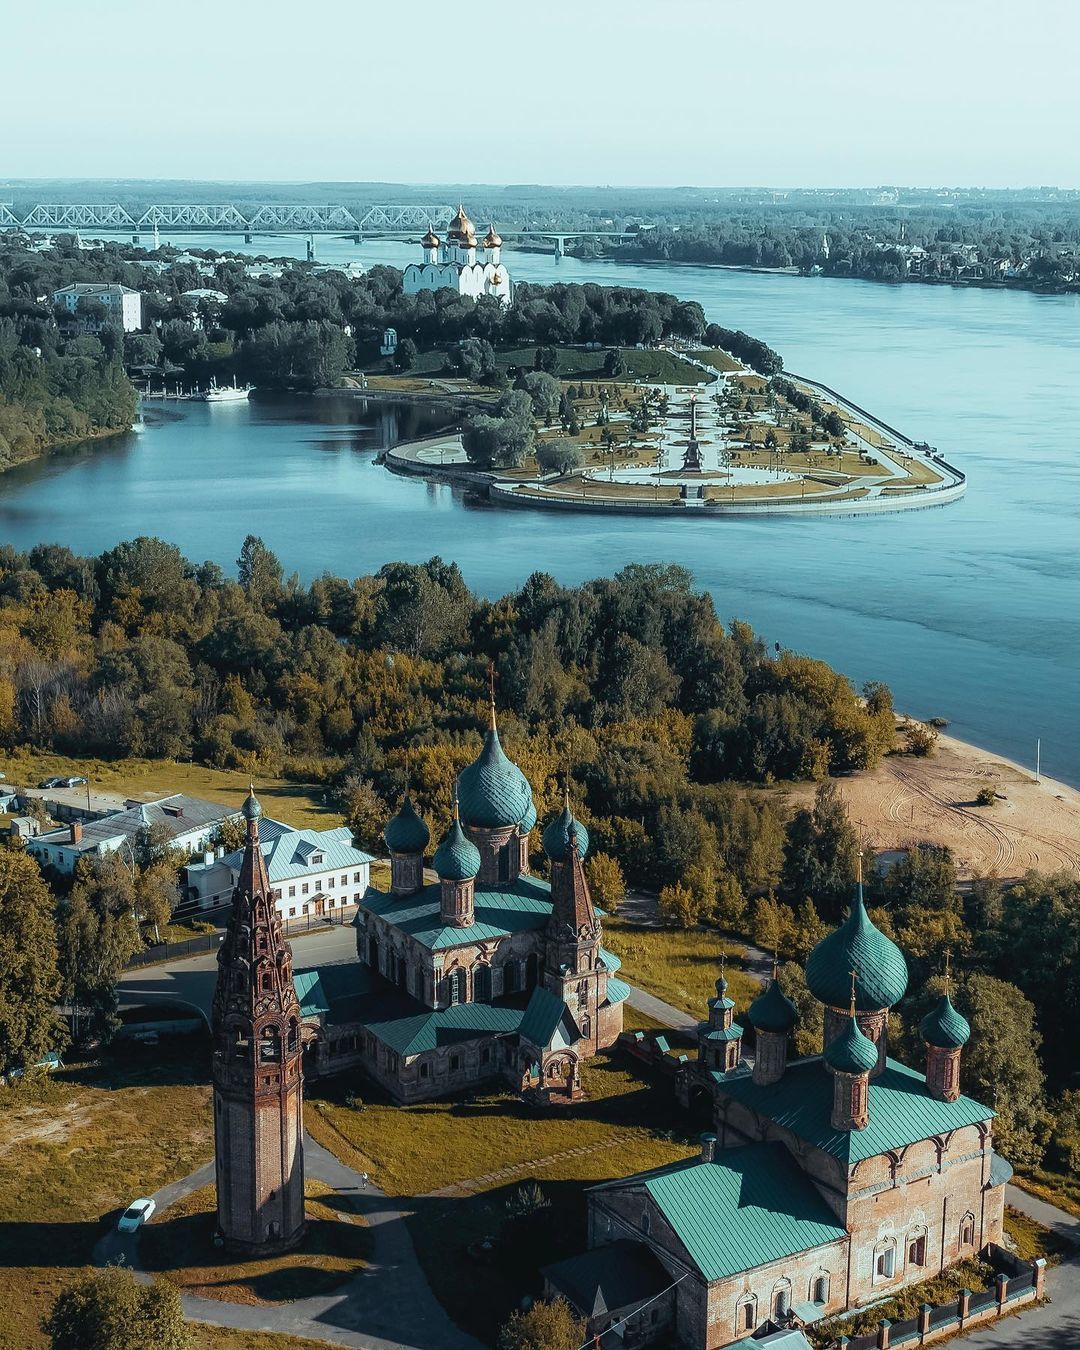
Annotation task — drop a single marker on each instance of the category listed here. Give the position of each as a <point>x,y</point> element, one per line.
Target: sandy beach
<point>908,800</point>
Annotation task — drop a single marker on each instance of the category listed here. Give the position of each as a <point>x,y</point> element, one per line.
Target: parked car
<point>52,782</point>
<point>74,781</point>
<point>136,1215</point>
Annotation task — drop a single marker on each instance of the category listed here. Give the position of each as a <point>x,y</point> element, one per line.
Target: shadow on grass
<point>176,1061</point>
<point>331,1253</point>
<point>56,1245</point>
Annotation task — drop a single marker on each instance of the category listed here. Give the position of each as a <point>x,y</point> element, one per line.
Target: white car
<point>136,1215</point>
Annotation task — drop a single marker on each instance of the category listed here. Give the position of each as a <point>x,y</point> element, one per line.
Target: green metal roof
<point>746,1208</point>
<point>880,969</point>
<point>610,960</point>
<point>544,1013</point>
<point>773,1010</point>
<point>457,858</point>
<point>493,790</point>
<point>556,837</point>
<point>731,1033</point>
<point>406,832</point>
<point>427,1030</point>
<point>902,1112</point>
<point>851,1051</point>
<point>524,903</point>
<point>943,1026</point>
<point>617,991</point>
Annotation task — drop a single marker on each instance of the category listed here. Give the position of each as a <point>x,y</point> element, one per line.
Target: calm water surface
<point>971,611</point>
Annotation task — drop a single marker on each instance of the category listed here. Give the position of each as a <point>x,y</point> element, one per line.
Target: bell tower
<point>257,1069</point>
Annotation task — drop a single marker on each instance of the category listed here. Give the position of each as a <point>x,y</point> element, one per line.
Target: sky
<point>630,92</point>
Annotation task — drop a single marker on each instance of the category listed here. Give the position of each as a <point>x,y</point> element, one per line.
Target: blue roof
<point>521,904</point>
<point>902,1112</point>
<point>748,1207</point>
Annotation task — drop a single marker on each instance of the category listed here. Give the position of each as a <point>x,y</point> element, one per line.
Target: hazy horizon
<point>606,95</point>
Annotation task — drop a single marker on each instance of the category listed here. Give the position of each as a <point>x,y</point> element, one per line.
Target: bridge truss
<point>283,218</point>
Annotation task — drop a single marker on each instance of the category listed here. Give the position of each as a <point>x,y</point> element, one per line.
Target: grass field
<point>679,965</point>
<point>336,1246</point>
<point>74,1150</point>
<point>657,367</point>
<point>205,1337</point>
<point>719,360</point>
<point>297,804</point>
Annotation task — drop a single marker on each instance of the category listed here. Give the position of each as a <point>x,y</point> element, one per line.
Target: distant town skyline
<point>630,94</point>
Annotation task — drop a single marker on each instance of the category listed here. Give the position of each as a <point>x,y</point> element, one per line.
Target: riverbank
<point>90,440</point>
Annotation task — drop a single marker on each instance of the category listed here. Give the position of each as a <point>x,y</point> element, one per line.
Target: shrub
<point>986,796</point>
<point>920,739</point>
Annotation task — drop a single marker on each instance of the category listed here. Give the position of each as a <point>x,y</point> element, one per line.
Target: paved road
<point>389,1306</point>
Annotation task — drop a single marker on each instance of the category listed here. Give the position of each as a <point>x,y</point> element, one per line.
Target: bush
<point>605,881</point>
<point>986,796</point>
<point>920,739</point>
<point>559,456</point>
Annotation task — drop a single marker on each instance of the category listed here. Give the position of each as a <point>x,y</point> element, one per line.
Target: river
<point>970,612</point>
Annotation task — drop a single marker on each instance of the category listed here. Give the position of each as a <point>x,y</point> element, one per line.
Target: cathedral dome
<point>494,792</point>
<point>943,1026</point>
<point>431,239</point>
<point>851,1051</point>
<point>880,969</point>
<point>526,823</point>
<point>252,809</point>
<point>457,858</point>
<point>406,832</point>
<point>772,1010</point>
<point>492,238</point>
<point>461,229</point>
<point>557,836</point>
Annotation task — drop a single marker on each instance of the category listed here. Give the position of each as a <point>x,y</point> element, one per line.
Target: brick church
<point>829,1183</point>
<point>487,974</point>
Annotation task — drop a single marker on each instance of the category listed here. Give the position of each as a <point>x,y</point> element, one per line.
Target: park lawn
<point>719,360</point>
<point>336,1247</point>
<point>206,1337</point>
<point>414,1150</point>
<point>679,965</point>
<point>1056,1188</point>
<point>76,1149</point>
<point>1031,1239</point>
<point>298,804</point>
<point>654,367</point>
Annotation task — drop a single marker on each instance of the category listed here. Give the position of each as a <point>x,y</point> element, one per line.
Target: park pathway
<point>387,1306</point>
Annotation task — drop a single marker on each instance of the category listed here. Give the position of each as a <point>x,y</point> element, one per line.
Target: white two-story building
<point>122,306</point>
<point>314,873</point>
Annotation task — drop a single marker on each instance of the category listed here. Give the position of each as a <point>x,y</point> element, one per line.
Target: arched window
<point>645,1221</point>
<point>532,971</point>
<point>967,1230</point>
<point>885,1260</point>
<point>746,1313</point>
<point>267,980</point>
<point>819,1289</point>
<point>482,984</point>
<point>270,1046</point>
<point>293,1038</point>
<point>916,1247</point>
<point>511,977</point>
<point>781,1300</point>
<point>455,986</point>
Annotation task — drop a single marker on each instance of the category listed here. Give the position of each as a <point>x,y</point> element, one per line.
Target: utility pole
<point>1038,759</point>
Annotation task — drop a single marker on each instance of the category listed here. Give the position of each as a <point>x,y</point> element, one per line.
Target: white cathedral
<point>459,264</point>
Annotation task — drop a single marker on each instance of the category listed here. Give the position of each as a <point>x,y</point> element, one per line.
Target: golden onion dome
<point>461,227</point>
<point>492,239</point>
<point>431,239</point>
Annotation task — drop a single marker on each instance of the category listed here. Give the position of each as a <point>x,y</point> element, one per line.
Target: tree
<point>810,1027</point>
<point>546,359</point>
<point>544,393</point>
<point>259,573</point>
<point>605,881</point>
<point>97,936</point>
<point>545,1326</point>
<point>230,835</point>
<point>29,978</point>
<point>366,815</point>
<point>614,363</point>
<point>559,456</point>
<point>819,857</point>
<point>111,1310</point>
<point>678,906</point>
<point>405,355</point>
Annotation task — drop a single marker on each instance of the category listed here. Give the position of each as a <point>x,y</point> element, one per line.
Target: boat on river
<point>226,393</point>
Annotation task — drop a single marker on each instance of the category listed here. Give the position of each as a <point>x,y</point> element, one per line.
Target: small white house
<point>123,306</point>
<point>314,873</point>
<point>389,342</point>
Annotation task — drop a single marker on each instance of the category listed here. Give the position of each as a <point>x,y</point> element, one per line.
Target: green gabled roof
<point>731,1033</point>
<point>902,1112</point>
<point>746,1208</point>
<point>544,1013</point>
<point>522,904</point>
<point>427,1030</point>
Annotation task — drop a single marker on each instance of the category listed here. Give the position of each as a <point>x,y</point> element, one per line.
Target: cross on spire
<point>491,691</point>
<point>948,959</point>
<point>854,975</point>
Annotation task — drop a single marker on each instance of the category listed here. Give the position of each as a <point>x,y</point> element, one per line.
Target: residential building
<point>830,1183</point>
<point>204,293</point>
<point>458,263</point>
<point>313,873</point>
<point>189,824</point>
<point>122,306</point>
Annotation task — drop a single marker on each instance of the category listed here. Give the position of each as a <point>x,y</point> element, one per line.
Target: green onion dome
<point>557,836</point>
<point>528,820</point>
<point>945,1027</point>
<point>851,1051</point>
<point>772,1010</point>
<point>494,792</point>
<point>406,832</point>
<point>457,858</point>
<point>721,1000</point>
<point>881,971</point>
<point>252,809</point>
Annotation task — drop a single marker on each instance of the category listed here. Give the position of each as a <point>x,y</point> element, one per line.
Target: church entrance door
<point>320,906</point>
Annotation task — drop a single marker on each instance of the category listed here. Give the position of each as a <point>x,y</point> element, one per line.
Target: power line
<point>593,1340</point>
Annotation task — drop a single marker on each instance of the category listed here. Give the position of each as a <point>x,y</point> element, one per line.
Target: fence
<point>1023,1283</point>
<point>209,942</point>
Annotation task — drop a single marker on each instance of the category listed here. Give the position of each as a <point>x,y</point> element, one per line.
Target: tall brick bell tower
<point>257,1069</point>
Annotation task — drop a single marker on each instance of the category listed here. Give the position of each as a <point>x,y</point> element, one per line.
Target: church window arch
<point>265,981</point>
<point>294,1034</point>
<point>482,983</point>
<point>455,986</point>
<point>269,1046</point>
<point>819,1287</point>
<point>967,1230</point>
<point>885,1260</point>
<point>916,1247</point>
<point>746,1317</point>
<point>781,1299</point>
<point>511,977</point>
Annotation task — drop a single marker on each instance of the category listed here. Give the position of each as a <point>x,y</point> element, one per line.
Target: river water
<point>971,611</point>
